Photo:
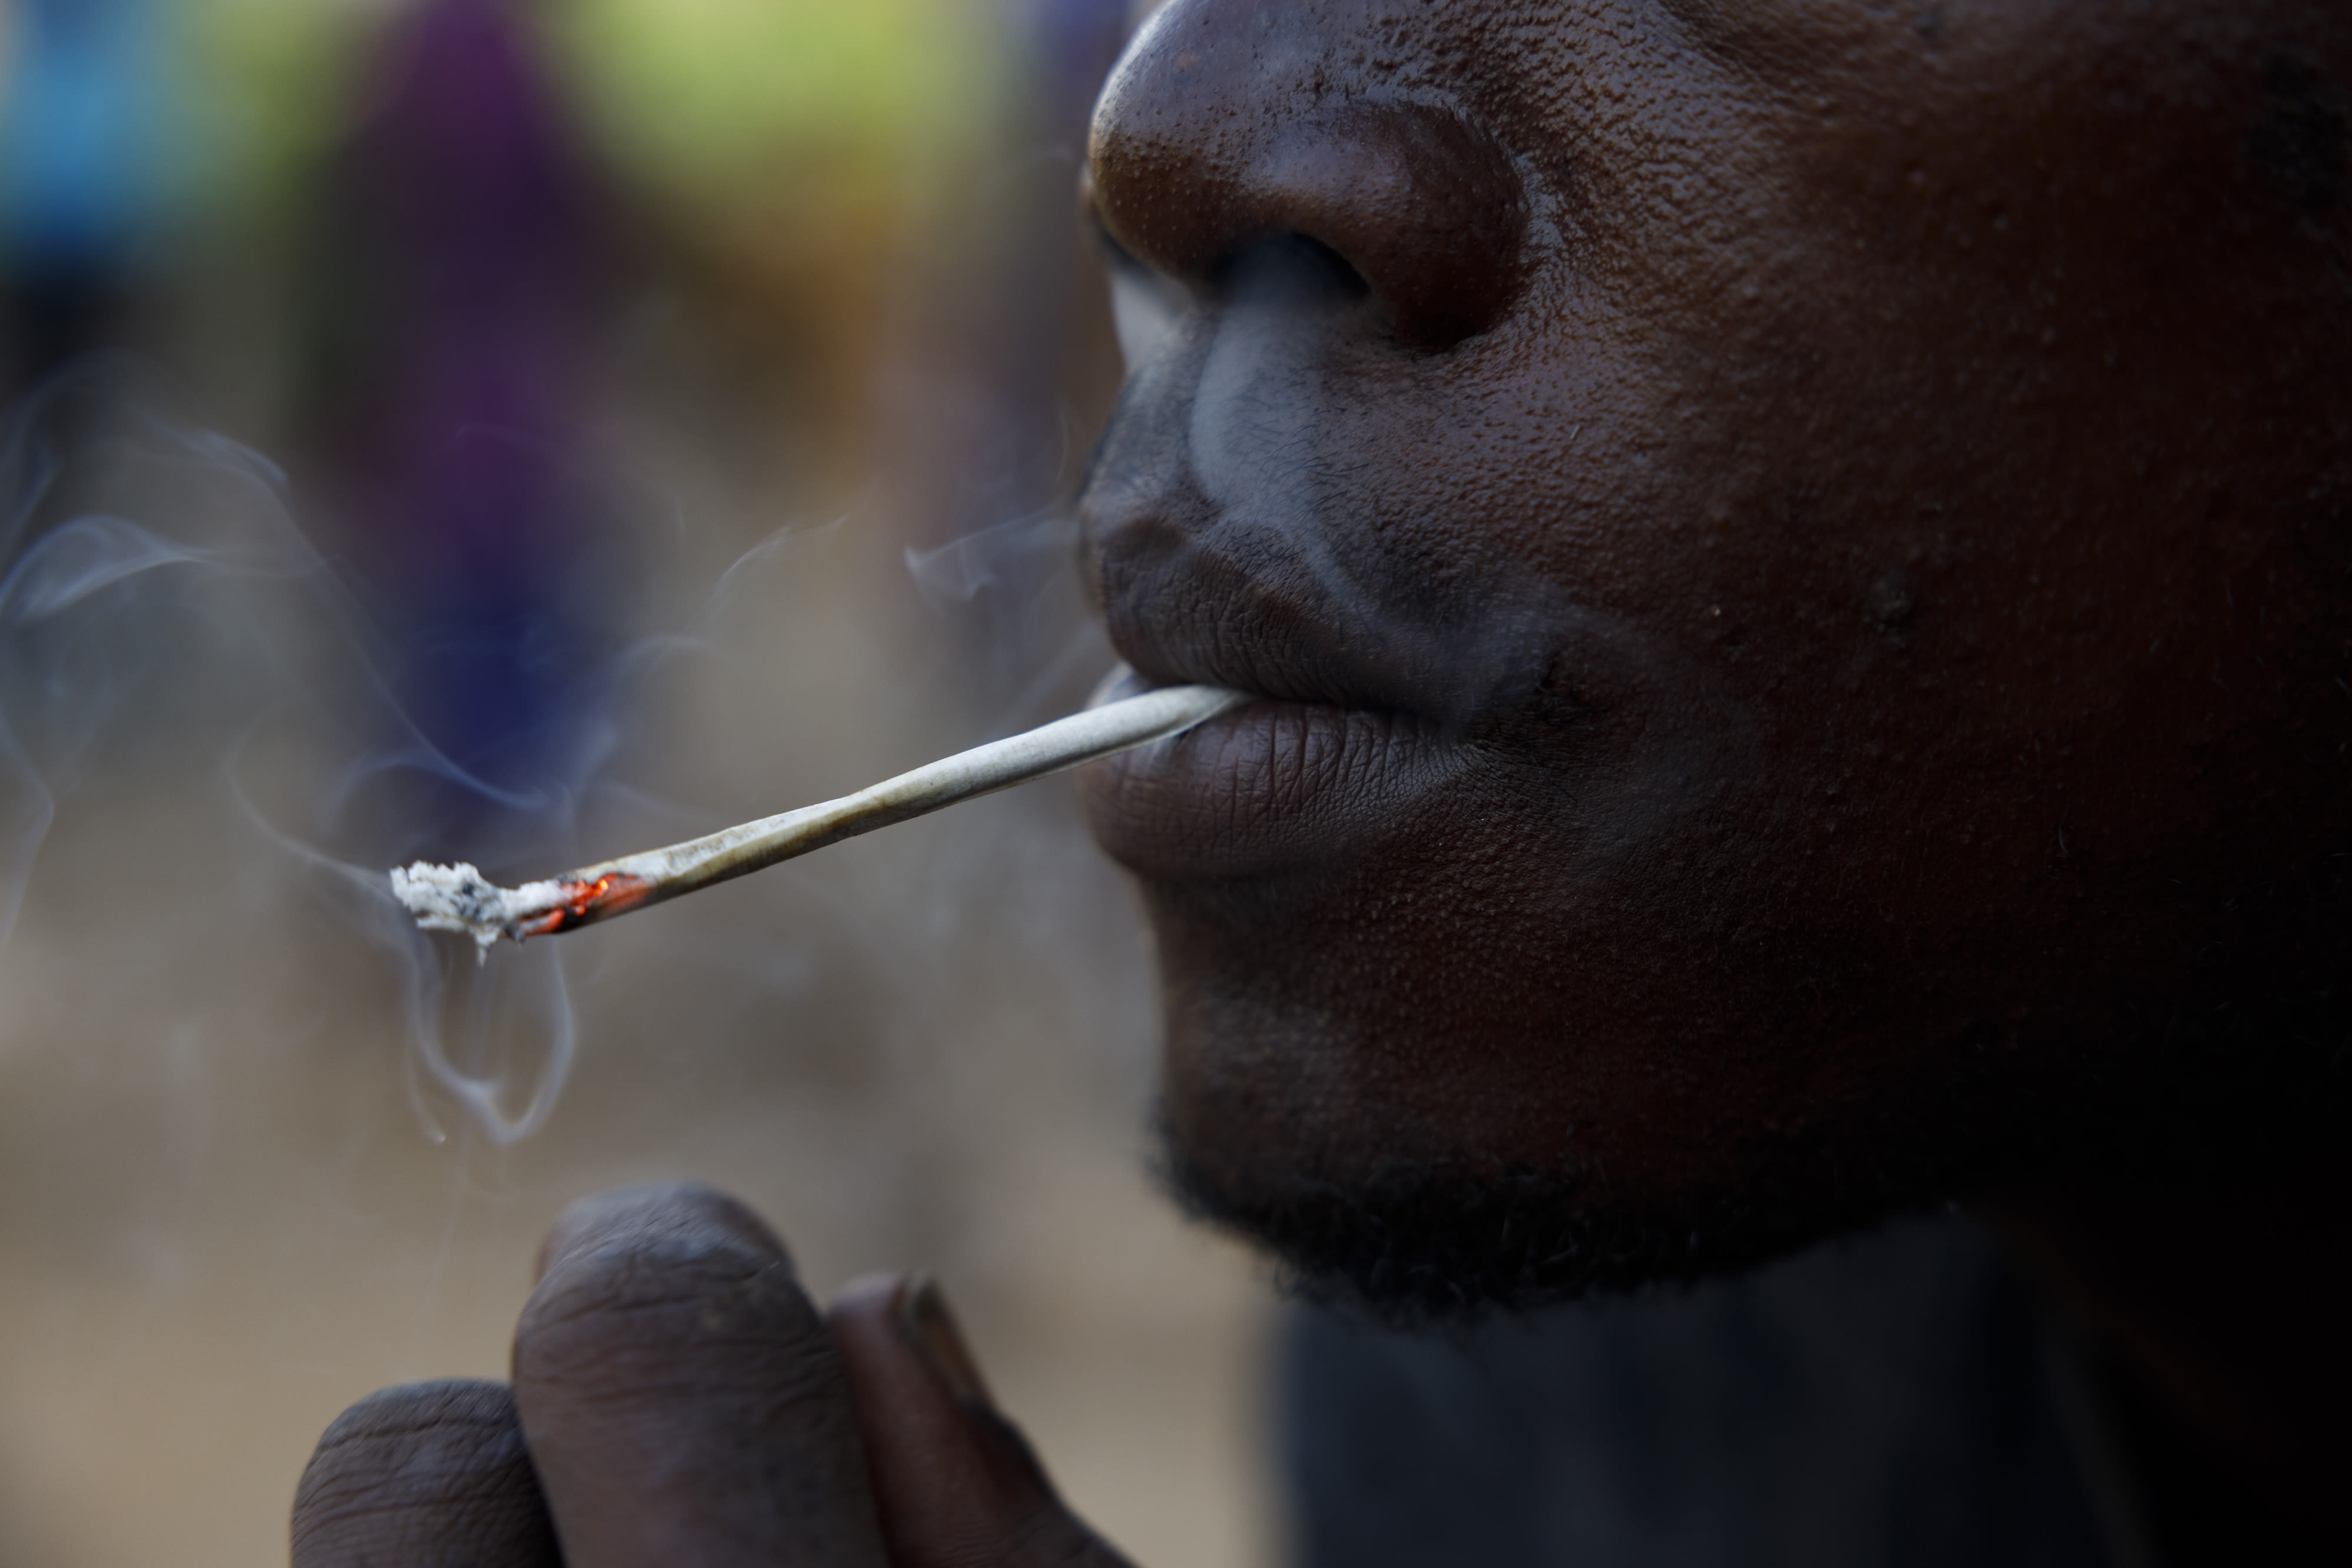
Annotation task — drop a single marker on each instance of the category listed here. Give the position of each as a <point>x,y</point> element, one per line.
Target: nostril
<point>1411,204</point>
<point>1296,273</point>
<point>1298,266</point>
<point>1423,206</point>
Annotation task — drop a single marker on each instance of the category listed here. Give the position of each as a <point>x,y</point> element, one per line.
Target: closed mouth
<point>1276,786</point>
<point>1339,745</point>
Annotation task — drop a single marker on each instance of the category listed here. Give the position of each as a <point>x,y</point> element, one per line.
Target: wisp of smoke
<point>164,619</point>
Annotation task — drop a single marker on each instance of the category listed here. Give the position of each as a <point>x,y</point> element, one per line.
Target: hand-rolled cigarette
<point>459,898</point>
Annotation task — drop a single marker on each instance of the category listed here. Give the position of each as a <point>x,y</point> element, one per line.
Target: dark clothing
<point>1896,1401</point>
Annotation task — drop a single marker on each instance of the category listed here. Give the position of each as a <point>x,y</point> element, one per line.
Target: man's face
<point>1797,550</point>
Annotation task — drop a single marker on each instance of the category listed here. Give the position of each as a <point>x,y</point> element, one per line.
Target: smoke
<point>1016,586</point>
<point>166,625</point>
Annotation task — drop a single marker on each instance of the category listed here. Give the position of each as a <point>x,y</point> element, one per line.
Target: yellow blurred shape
<point>698,96</point>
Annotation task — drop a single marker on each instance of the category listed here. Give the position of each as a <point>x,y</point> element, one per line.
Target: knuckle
<point>418,1463</point>
<point>445,1427</point>
<point>655,1311</point>
<point>659,1207</point>
<point>660,1285</point>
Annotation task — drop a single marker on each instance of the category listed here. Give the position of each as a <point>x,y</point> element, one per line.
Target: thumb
<point>955,1483</point>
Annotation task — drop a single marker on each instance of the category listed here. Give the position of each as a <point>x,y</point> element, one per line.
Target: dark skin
<point>676,1399</point>
<point>1797,553</point>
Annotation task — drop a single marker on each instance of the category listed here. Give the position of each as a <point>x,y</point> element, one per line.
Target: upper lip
<point>1239,609</point>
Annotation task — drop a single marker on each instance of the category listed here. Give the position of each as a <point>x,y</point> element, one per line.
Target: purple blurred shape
<point>472,251</point>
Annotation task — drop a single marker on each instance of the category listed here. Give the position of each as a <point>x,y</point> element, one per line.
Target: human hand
<point>678,1400</point>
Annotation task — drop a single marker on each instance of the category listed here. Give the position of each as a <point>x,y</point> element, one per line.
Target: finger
<point>684,1401</point>
<point>954,1482</point>
<point>431,1475</point>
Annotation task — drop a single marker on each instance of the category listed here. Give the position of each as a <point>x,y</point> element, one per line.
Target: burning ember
<point>459,898</point>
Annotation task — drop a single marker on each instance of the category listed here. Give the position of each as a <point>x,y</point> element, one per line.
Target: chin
<point>1418,1162</point>
<point>1424,1242</point>
<point>1416,1141</point>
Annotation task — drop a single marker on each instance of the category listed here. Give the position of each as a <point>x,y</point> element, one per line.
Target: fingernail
<point>923,1314</point>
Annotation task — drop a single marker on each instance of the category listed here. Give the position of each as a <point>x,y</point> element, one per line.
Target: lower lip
<point>1270,787</point>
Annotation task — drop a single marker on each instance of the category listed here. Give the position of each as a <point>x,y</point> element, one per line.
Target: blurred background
<point>528,431</point>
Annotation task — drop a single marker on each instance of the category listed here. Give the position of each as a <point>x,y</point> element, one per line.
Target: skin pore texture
<point>1807,632</point>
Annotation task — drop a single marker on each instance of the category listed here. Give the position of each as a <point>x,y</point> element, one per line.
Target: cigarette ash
<point>460,898</point>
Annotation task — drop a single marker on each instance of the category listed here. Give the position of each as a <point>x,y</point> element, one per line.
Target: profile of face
<point>1797,555</point>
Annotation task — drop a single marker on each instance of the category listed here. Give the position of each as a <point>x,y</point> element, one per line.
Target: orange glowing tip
<point>586,903</point>
<point>459,898</point>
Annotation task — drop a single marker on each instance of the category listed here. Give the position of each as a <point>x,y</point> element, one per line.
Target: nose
<point>1229,124</point>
